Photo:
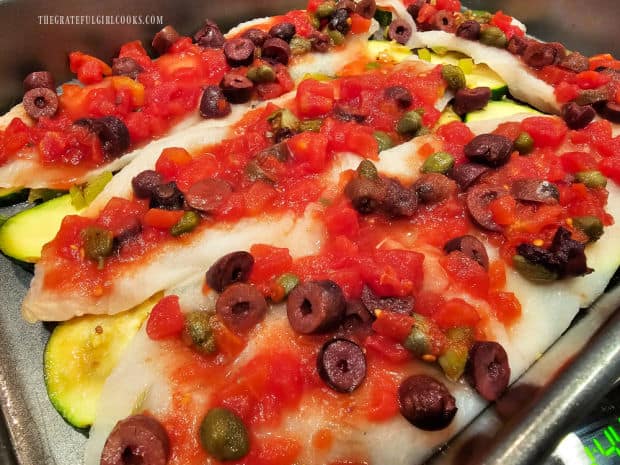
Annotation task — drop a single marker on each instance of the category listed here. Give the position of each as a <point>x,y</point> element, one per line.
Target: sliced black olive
<point>208,194</point>
<point>517,45</point>
<point>470,246</point>
<point>320,41</point>
<point>478,199</point>
<point>126,66</point>
<point>366,195</point>
<point>444,21</point>
<point>209,35</point>
<point>144,183</point>
<point>232,268</point>
<point>539,54</point>
<point>137,439</point>
<point>610,111</point>
<point>577,116</point>
<point>167,196</point>
<point>342,365</point>
<point>468,100</point>
<point>487,369</point>
<point>467,174</point>
<point>284,31</point>
<point>489,149</point>
<point>38,79</point>
<point>433,188</point>
<point>277,50</point>
<point>469,30</point>
<point>535,190</point>
<point>239,51</point>
<point>340,21</point>
<point>165,39</point>
<point>366,8</point>
<point>111,131</point>
<point>236,87</point>
<point>575,62</point>
<point>315,306</point>
<point>40,102</point>
<point>257,36</point>
<point>213,103</point>
<point>241,307</point>
<point>402,305</point>
<point>569,253</point>
<point>400,95</point>
<point>398,200</point>
<point>426,403</point>
<point>399,31</point>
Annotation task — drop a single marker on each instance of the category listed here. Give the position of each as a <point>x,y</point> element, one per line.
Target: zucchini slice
<point>23,235</point>
<point>80,355</point>
<point>501,109</point>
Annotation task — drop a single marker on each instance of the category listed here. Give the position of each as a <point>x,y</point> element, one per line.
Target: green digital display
<point>602,446</point>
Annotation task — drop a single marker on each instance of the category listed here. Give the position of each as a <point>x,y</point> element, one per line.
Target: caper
<point>524,143</point>
<point>591,226</point>
<point>325,9</point>
<point>418,341</point>
<point>367,169</point>
<point>533,271</point>
<point>439,162</point>
<point>187,223</point>
<point>262,73</point>
<point>199,331</point>
<point>481,16</point>
<point>283,118</point>
<point>299,45</point>
<point>384,140</point>
<point>409,123</point>
<point>454,76</point>
<point>288,282</point>
<point>336,37</point>
<point>223,435</point>
<point>313,125</point>
<point>314,20</point>
<point>98,243</point>
<point>454,359</point>
<point>591,179</point>
<point>493,36</point>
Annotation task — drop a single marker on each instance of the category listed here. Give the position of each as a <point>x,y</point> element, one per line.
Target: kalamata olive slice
<point>400,31</point>
<point>358,311</point>
<point>400,95</point>
<point>468,100</point>
<point>469,30</point>
<point>575,62</point>
<point>111,131</point>
<point>433,188</point>
<point>136,439</point>
<point>478,199</point>
<point>320,41</point>
<point>444,21</point>
<point>402,305</point>
<point>40,102</point>
<point>209,35</point>
<point>234,267</point>
<point>315,306</point>
<point>398,200</point>
<point>342,365</point>
<point>239,51</point>
<point>213,103</point>
<point>489,149</point>
<point>470,246</point>
<point>284,31</point>
<point>487,369</point>
<point>414,8</point>
<point>467,174</point>
<point>610,111</point>
<point>340,21</point>
<point>276,50</point>
<point>165,39</point>
<point>517,45</point>
<point>345,112</point>
<point>535,190</point>
<point>38,79</point>
<point>569,253</point>
<point>144,183</point>
<point>539,54</point>
<point>426,403</point>
<point>366,195</point>
<point>577,116</point>
<point>207,195</point>
<point>236,87</point>
<point>126,66</point>
<point>348,5</point>
<point>241,307</point>
<point>257,36</point>
<point>366,8</point>
<point>167,196</point>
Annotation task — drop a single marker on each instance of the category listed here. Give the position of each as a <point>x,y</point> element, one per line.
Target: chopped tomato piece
<point>314,98</point>
<point>341,219</point>
<point>166,319</point>
<point>427,303</point>
<point>497,274</point>
<point>310,148</point>
<point>395,326</point>
<point>455,313</point>
<point>506,307</point>
<point>269,262</point>
<point>449,5</point>
<point>504,210</point>
<point>566,92</point>
<point>359,24</point>
<point>467,273</point>
<point>89,70</point>
<point>591,79</point>
<point>171,160</point>
<point>383,402</point>
<point>610,167</point>
<point>504,22</point>
<point>395,272</point>
<point>161,219</point>
<point>426,13</point>
<point>122,215</point>
<point>546,132</point>
<point>387,348</point>
<point>16,136</point>
<point>272,450</point>
<point>455,135</point>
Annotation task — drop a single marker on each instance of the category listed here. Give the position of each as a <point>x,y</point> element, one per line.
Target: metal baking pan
<point>579,369</point>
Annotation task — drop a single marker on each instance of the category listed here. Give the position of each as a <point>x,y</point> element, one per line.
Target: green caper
<point>533,271</point>
<point>288,282</point>
<point>591,179</point>
<point>454,76</point>
<point>187,223</point>
<point>315,21</point>
<point>481,16</point>
<point>336,37</point>
<point>424,131</point>
<point>591,226</point>
<point>98,243</point>
<point>524,143</point>
<point>283,118</point>
<point>418,341</point>
<point>367,169</point>
<point>262,73</point>
<point>439,162</point>
<point>409,123</point>
<point>223,435</point>
<point>384,140</point>
<point>453,361</point>
<point>199,331</point>
<point>299,45</point>
<point>493,36</point>
<point>313,125</point>
<point>325,9</point>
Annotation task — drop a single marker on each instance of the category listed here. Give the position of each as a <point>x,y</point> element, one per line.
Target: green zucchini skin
<point>12,195</point>
<point>500,109</point>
